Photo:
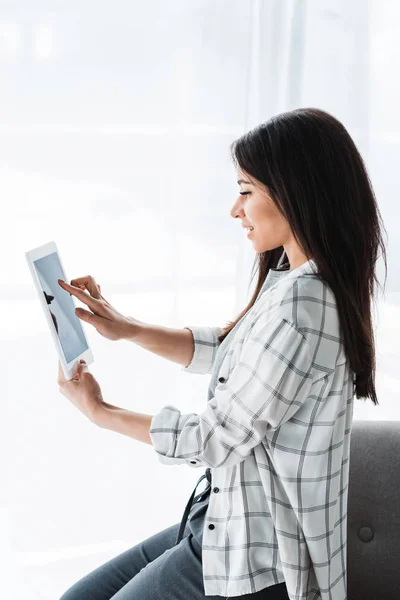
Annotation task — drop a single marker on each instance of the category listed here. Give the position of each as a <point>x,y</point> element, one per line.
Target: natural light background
<point>115,123</point>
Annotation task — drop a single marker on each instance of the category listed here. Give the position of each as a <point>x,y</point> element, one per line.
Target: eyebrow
<point>243,181</point>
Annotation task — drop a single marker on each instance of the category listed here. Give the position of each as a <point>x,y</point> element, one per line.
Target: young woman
<point>274,437</point>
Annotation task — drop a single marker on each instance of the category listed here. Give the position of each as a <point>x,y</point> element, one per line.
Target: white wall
<point>115,122</point>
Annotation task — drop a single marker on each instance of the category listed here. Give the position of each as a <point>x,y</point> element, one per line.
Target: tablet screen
<point>61,306</point>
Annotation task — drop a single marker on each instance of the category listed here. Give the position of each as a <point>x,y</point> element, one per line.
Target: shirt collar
<point>274,275</point>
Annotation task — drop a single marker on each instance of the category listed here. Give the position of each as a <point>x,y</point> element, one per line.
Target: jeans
<point>165,566</point>
<point>156,569</point>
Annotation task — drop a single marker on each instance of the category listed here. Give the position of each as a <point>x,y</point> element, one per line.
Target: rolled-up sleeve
<point>270,381</point>
<point>205,348</point>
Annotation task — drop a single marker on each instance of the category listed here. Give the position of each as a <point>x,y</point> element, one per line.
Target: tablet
<point>59,308</point>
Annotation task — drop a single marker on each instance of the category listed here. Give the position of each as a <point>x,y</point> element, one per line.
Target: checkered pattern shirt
<point>276,436</point>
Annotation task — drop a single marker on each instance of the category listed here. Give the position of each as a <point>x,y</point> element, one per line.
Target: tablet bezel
<point>70,368</point>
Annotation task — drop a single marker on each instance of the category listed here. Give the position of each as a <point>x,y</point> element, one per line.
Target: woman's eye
<point>244,193</point>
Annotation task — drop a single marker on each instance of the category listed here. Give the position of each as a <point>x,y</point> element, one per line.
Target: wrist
<point>132,329</point>
<point>102,415</point>
<point>129,423</point>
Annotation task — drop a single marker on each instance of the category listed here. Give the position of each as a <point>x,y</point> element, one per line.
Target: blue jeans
<point>165,566</point>
<point>157,569</point>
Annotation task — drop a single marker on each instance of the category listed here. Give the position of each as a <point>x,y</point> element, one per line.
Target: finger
<point>88,282</point>
<point>93,303</point>
<point>87,316</point>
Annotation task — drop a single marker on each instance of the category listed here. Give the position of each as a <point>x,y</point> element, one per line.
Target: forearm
<point>176,345</point>
<point>133,424</point>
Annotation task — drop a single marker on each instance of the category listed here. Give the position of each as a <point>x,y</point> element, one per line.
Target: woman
<point>275,435</point>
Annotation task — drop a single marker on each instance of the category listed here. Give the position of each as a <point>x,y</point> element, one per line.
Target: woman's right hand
<point>105,318</point>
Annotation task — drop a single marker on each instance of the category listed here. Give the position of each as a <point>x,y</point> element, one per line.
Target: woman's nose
<point>234,212</point>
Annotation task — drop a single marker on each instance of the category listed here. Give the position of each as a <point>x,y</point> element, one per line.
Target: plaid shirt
<point>276,436</point>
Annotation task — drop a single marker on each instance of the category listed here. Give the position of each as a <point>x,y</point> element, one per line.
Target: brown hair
<point>317,179</point>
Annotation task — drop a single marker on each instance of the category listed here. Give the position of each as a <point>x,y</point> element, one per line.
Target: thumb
<point>82,367</point>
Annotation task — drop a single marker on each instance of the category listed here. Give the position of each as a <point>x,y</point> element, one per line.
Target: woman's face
<point>255,208</point>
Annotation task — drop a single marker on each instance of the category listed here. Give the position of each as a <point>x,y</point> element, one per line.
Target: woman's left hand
<point>83,391</point>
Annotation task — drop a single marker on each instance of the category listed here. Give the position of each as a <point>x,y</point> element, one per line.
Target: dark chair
<point>373,515</point>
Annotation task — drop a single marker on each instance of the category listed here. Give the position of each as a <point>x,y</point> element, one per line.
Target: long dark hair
<point>317,179</point>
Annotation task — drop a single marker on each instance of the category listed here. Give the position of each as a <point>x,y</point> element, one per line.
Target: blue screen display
<point>61,307</point>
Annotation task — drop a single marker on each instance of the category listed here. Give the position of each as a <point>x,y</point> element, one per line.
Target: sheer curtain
<point>116,121</point>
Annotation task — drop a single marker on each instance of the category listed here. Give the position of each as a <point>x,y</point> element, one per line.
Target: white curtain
<point>115,125</point>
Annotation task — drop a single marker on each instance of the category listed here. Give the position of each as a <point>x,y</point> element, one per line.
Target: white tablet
<point>59,308</point>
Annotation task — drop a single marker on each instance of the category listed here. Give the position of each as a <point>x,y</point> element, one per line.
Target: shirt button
<point>221,379</point>
<point>211,526</point>
<point>216,490</point>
